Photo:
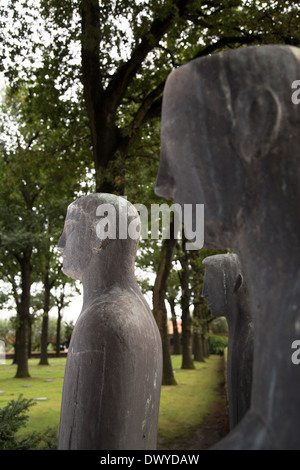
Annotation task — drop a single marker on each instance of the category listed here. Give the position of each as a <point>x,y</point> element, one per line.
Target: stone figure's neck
<point>270,260</point>
<point>270,264</point>
<point>105,273</point>
<point>271,268</point>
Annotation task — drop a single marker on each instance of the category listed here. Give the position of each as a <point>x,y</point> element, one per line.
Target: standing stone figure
<point>112,381</point>
<point>226,293</point>
<point>230,140</point>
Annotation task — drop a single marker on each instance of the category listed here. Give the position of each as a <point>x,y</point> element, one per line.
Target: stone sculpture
<point>226,292</point>
<point>113,373</point>
<point>230,141</point>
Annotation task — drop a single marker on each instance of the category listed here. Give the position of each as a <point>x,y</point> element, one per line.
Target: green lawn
<point>44,413</point>
<point>182,409</point>
<point>184,405</point>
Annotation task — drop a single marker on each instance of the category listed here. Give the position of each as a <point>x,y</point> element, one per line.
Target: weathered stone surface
<point>226,293</point>
<point>230,140</point>
<point>113,374</point>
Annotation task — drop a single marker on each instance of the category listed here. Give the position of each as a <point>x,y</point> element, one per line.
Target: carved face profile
<point>74,245</point>
<point>92,223</point>
<point>225,119</point>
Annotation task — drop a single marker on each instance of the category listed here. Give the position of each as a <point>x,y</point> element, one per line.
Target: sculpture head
<point>222,280</point>
<point>229,136</point>
<point>99,228</point>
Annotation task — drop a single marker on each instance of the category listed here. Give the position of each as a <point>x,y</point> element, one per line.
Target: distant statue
<point>230,140</point>
<point>112,380</point>
<point>226,293</point>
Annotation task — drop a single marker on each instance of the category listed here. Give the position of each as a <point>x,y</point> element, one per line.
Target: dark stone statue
<point>226,292</point>
<point>230,141</point>
<point>112,381</point>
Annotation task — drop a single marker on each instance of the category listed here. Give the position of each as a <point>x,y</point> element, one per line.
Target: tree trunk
<point>176,336</point>
<point>58,327</point>
<point>15,358</point>
<point>45,322</point>
<point>159,307</point>
<point>187,344</point>
<point>187,349</point>
<point>44,340</point>
<point>205,339</point>
<point>23,318</point>
<point>108,143</point>
<point>101,106</point>
<point>29,337</point>
<point>198,334</point>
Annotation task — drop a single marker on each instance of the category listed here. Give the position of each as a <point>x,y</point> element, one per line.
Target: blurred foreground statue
<point>112,381</point>
<point>230,140</point>
<point>226,293</point>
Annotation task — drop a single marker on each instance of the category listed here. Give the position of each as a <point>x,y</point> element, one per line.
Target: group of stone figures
<point>230,141</point>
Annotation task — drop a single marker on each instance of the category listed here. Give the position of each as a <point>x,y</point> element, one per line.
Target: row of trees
<point>58,335</point>
<point>84,84</point>
<point>39,177</point>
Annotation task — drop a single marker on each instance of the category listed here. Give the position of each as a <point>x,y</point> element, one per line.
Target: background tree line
<point>57,340</point>
<point>81,113</point>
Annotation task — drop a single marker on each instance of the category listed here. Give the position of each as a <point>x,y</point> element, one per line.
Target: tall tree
<point>184,277</point>
<point>159,306</point>
<point>61,300</point>
<point>17,241</point>
<point>49,279</point>
<point>168,31</point>
<point>172,298</point>
<point>32,167</point>
<point>127,49</point>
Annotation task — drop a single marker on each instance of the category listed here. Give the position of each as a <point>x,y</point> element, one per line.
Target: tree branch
<point>90,61</point>
<point>33,139</point>
<point>12,281</point>
<point>226,41</point>
<point>29,200</point>
<point>127,71</point>
<point>150,108</point>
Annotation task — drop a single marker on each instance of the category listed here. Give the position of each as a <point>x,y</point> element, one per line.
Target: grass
<point>45,413</point>
<point>182,407</point>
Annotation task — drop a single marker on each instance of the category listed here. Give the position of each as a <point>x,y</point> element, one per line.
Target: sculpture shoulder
<point>115,306</point>
<point>117,317</point>
<point>116,298</point>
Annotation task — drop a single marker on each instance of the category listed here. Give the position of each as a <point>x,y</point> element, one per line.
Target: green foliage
<point>36,330</point>
<point>219,326</point>
<point>12,418</point>
<point>8,329</point>
<point>42,170</point>
<point>46,412</point>
<point>7,332</point>
<point>125,35</point>
<point>217,344</point>
<point>69,327</point>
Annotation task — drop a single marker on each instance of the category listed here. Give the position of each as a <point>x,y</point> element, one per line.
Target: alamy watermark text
<point>153,224</point>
